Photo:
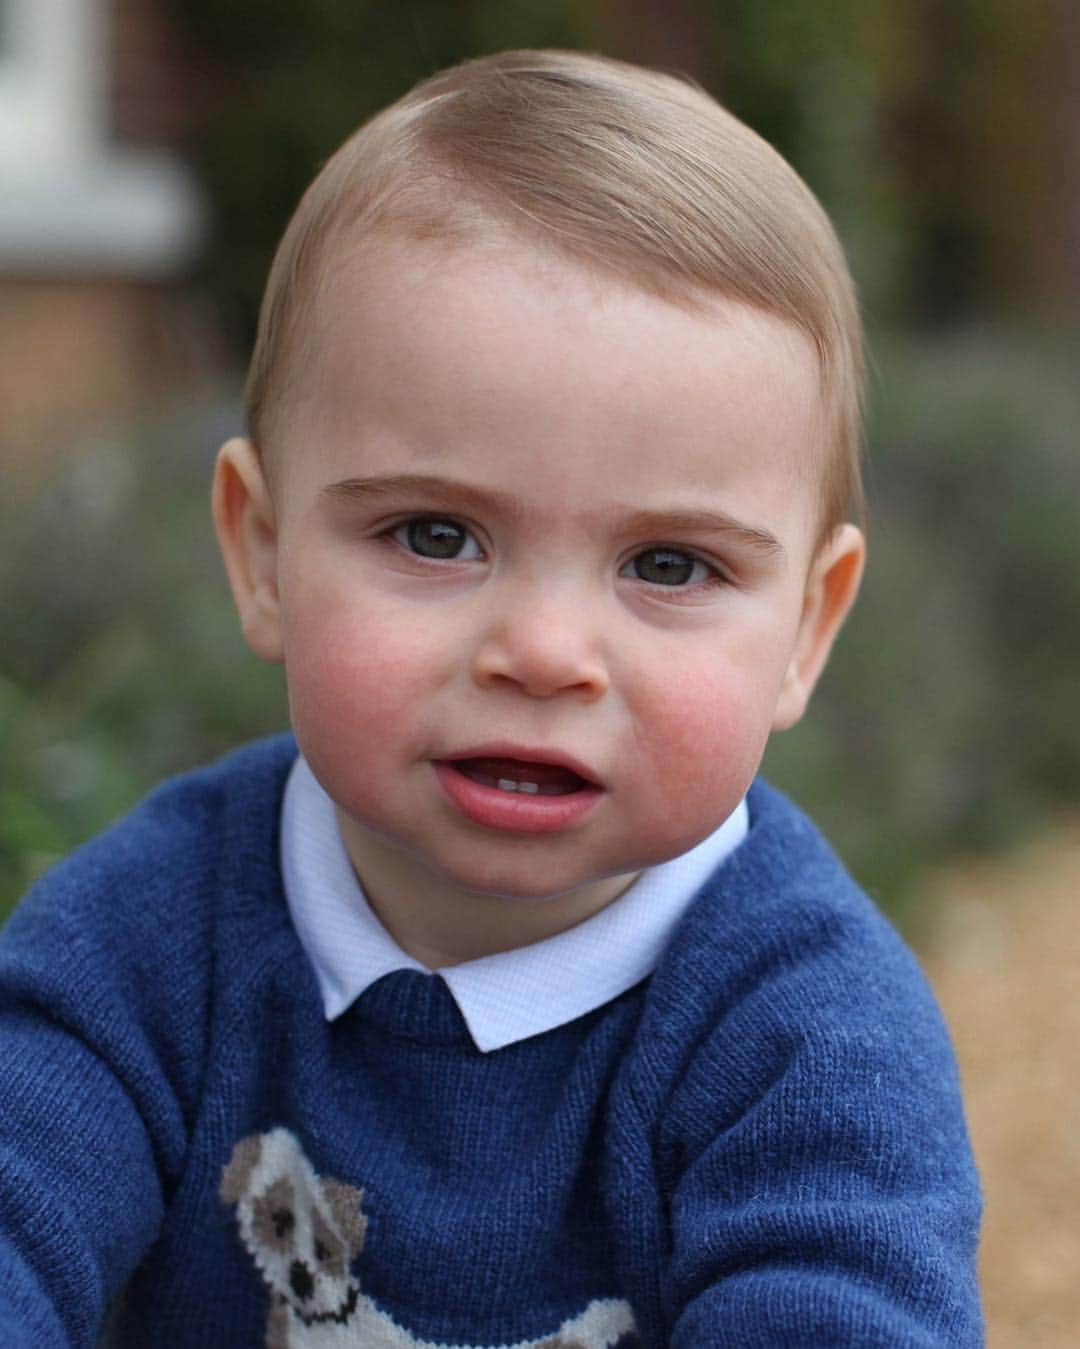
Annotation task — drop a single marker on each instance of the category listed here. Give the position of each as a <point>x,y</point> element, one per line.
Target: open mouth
<point>517,775</point>
<point>520,795</point>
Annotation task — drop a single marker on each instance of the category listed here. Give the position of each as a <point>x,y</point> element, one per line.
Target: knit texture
<point>761,1144</point>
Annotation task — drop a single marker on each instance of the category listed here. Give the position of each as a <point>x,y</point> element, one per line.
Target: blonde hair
<point>625,169</point>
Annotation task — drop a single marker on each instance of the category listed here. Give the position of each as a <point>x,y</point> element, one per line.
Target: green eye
<point>667,567</point>
<point>442,540</point>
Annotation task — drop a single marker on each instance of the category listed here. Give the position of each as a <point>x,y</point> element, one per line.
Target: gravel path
<point>1005,961</point>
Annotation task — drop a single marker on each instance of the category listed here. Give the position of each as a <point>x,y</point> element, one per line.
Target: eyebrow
<point>422,484</point>
<point>656,524</point>
<point>694,521</point>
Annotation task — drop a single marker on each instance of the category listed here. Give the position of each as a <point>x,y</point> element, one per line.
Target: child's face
<point>534,526</point>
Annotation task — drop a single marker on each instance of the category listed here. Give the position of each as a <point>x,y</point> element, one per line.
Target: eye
<point>283,1221</point>
<point>669,567</point>
<point>441,540</point>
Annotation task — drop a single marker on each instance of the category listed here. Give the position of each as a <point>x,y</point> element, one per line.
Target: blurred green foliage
<point>946,720</point>
<point>122,661</point>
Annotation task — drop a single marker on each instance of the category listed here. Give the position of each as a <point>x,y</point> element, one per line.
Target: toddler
<point>502,1004</point>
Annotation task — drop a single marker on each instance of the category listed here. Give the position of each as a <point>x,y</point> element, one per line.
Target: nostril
<point>300,1280</point>
<point>540,668</point>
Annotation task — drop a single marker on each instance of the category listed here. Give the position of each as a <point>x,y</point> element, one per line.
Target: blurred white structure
<point>73,199</point>
<point>101,223</point>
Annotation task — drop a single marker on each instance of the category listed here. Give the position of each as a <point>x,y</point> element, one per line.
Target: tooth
<point>506,785</point>
<point>531,787</point>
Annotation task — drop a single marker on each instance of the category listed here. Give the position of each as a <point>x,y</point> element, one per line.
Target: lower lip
<point>518,812</point>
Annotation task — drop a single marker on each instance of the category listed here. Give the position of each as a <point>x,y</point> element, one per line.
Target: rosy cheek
<point>350,684</point>
<point>705,739</point>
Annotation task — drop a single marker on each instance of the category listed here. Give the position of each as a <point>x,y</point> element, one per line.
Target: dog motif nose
<point>300,1280</point>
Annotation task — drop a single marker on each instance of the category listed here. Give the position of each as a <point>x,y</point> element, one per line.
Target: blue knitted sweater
<point>761,1144</point>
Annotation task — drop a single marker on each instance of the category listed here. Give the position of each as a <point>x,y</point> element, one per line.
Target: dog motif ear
<point>237,1175</point>
<point>344,1203</point>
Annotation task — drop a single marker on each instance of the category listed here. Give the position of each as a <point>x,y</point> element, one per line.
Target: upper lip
<point>526,754</point>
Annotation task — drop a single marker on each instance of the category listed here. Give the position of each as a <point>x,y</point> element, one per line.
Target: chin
<point>512,888</point>
<point>537,883</point>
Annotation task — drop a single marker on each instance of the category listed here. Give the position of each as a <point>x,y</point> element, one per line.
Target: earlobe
<point>247,535</point>
<point>831,589</point>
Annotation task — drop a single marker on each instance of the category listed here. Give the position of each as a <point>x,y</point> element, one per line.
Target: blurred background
<point>150,154</point>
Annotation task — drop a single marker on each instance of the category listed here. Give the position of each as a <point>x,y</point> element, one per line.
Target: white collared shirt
<point>504,997</point>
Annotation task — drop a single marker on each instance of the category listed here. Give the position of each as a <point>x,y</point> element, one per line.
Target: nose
<point>544,647</point>
<point>300,1280</point>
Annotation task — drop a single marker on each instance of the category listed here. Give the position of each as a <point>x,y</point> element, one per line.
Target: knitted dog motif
<point>302,1231</point>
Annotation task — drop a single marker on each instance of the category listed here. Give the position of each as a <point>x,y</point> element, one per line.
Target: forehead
<point>431,350</point>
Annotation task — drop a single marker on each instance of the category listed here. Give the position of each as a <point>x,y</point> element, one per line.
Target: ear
<point>237,1174</point>
<point>831,588</point>
<point>345,1203</point>
<point>247,534</point>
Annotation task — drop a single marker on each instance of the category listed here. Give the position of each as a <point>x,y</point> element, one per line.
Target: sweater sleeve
<point>821,1184</point>
<point>80,1198</point>
<point>92,1132</point>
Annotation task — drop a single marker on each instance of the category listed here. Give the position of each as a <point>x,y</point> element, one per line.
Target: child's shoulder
<point>787,1008</point>
<point>166,863</point>
<point>782,943</point>
<point>796,1086</point>
<point>186,818</point>
<point>785,890</point>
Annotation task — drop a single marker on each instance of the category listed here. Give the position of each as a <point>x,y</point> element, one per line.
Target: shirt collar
<point>505,997</point>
